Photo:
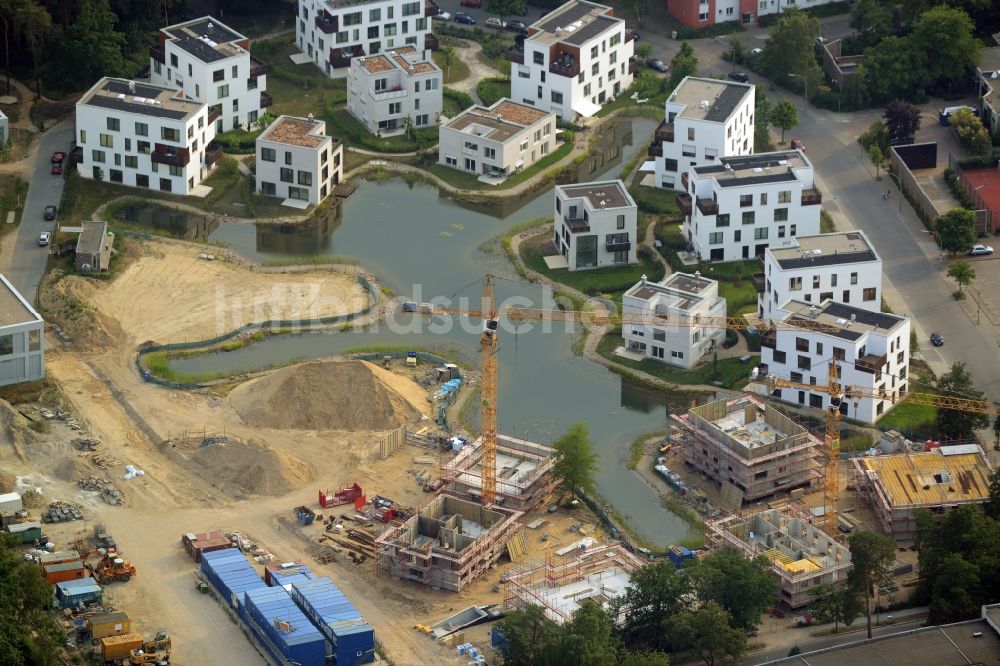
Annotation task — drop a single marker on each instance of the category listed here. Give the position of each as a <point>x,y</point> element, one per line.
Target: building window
<point>107,141</point>
<point>175,170</point>
<point>803,362</point>
<point>748,217</point>
<point>451,160</point>
<point>795,284</point>
<point>490,153</point>
<point>854,278</point>
<point>676,354</point>
<point>538,57</point>
<point>839,353</point>
<point>287,175</point>
<point>300,193</point>
<point>288,158</point>
<point>143,147</point>
<point>169,134</point>
<point>267,154</point>
<point>689,150</point>
<point>746,200</point>
<point>621,222</point>
<point>83,137</point>
<point>659,335</point>
<point>373,32</point>
<point>815,282</point>
<point>779,357</point>
<point>557,97</point>
<point>305,178</point>
<point>97,156</point>
<point>722,220</point>
<point>715,238</point>
<point>470,165</point>
<point>690,134</point>
<point>780,214</point>
<point>395,108</point>
<point>760,233</point>
<point>657,352</point>
<point>833,280</point>
<point>223,91</point>
<point>670,165</point>
<point>131,162</point>
<point>801,344</point>
<point>785,196</point>
<point>114,124</point>
<point>868,294</point>
<point>763,198</point>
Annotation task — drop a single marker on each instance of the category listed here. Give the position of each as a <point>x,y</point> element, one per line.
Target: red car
<point>58,157</point>
<point>472,3</point>
<point>56,169</point>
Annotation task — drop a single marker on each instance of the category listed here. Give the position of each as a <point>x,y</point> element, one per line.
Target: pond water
<point>425,246</point>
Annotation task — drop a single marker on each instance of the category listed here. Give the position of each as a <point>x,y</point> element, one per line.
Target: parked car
<point>476,4</point>
<point>56,169</point>
<point>756,51</point>
<point>796,144</point>
<point>44,238</point>
<point>50,212</point>
<point>742,77</point>
<point>58,157</point>
<point>494,22</point>
<point>936,339</point>
<point>657,64</point>
<point>464,18</point>
<point>519,27</point>
<point>443,16</point>
<point>980,249</point>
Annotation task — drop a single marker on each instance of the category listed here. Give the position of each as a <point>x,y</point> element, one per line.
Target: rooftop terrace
<point>753,169</point>
<point>140,98</point>
<point>840,320</point>
<point>14,309</point>
<point>573,23</point>
<point>599,195</point>
<point>294,131</point>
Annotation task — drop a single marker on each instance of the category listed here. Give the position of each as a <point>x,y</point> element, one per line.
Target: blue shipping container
<point>284,630</point>
<point>352,638</point>
<point>229,572</point>
<point>83,591</point>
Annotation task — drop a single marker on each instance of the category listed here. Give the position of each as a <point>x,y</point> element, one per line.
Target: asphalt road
<point>44,189</point>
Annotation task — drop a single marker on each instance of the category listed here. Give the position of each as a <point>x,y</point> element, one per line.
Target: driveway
<point>44,189</point>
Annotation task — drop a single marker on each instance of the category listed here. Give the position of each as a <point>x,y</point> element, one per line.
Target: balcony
<point>684,180</point>
<point>655,150</point>
<point>811,197</point>
<point>665,132</point>
<point>618,245</point>
<point>396,92</point>
<point>577,224</point>
<point>633,65</point>
<point>708,206</point>
<point>171,155</point>
<point>213,153</point>
<point>327,23</point>
<point>214,112</point>
<point>515,55</point>
<point>431,8</point>
<point>258,68</point>
<point>871,363</point>
<point>567,67</point>
<point>431,42</point>
<point>684,202</point>
<point>341,57</point>
<point>759,281</point>
<point>630,35</point>
<point>156,53</point>
<point>265,99</point>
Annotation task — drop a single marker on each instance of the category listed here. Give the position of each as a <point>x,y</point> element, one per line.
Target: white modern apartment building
<point>296,160</point>
<point>741,206</point>
<point>332,32</point>
<point>704,119</point>
<point>22,338</point>
<point>385,90</point>
<point>842,267</point>
<point>498,140</point>
<point>574,60</point>
<point>144,136</point>
<point>211,63</point>
<point>679,297</point>
<point>871,348</point>
<point>596,225</point>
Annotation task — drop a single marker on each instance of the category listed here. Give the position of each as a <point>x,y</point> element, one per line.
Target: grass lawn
<point>656,201</point>
<point>295,100</point>
<point>341,123</point>
<point>457,71</point>
<point>741,299</point>
<point>909,418</point>
<point>491,90</point>
<point>12,193</point>
<point>604,280</point>
<point>728,372</point>
<point>461,179</point>
<point>467,181</point>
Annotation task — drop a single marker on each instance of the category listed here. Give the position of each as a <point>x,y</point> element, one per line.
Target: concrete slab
<point>649,166</point>
<point>649,180</point>
<point>201,191</point>
<point>298,204</point>
<point>491,180</point>
<point>300,58</point>
<point>556,261</point>
<point>630,355</point>
<point>71,230</point>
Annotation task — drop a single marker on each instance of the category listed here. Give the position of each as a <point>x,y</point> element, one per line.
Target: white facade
<point>332,32</point>
<point>704,119</point>
<point>297,160</point>
<point>596,225</point>
<point>22,338</point>
<point>211,63</point>
<point>738,208</point>
<point>144,136</point>
<point>872,350</point>
<point>575,59</point>
<point>384,90</point>
<point>680,297</point>
<point>841,266</point>
<point>4,130</point>
<point>500,140</point>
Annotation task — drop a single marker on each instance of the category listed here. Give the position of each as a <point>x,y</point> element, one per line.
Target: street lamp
<point>805,85</point>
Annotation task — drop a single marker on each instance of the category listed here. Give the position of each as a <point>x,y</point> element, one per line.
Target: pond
<point>424,246</point>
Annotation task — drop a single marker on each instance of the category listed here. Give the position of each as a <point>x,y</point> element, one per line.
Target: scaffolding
<point>447,543</point>
<point>751,445</point>
<point>559,584</point>
<point>523,473</point>
<point>801,555</point>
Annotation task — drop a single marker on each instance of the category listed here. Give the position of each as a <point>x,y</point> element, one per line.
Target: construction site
<point>562,582</point>
<point>523,476</point>
<point>895,486</point>
<point>750,448</point>
<point>802,555</point>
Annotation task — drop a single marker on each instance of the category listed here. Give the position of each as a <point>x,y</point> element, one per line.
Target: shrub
<point>725,28</point>
<point>462,99</point>
<point>492,90</point>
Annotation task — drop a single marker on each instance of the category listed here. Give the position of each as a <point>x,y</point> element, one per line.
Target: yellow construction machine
<point>156,651</point>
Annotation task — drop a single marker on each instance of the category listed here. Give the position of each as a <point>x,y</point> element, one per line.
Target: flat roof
<point>842,247</point>
<point>295,131</point>
<point>753,169</point>
<point>989,59</point>
<point>14,309</point>
<point>720,98</point>
<point>573,23</point>
<point>406,59</point>
<point>839,317</point>
<point>92,237</point>
<point>913,479</point>
<point>140,98</point>
<point>498,122</point>
<point>600,195</point>
<point>206,38</point>
<point>679,290</point>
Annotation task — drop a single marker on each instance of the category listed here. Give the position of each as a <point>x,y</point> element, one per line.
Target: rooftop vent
<point>131,87</point>
<point>704,104</point>
<point>210,25</point>
<point>697,276</point>
<point>813,311</point>
<point>643,279</point>
<point>310,116</point>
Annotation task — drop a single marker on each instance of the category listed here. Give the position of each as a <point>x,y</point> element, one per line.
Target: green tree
<point>970,132</point>
<point>952,422</point>
<point>448,55</point>
<point>956,230</point>
<point>526,632</point>
<point>641,658</point>
<point>34,21</point>
<point>638,9</point>
<point>88,49</point>
<point>877,158</point>
<point>743,588</point>
<point>784,116</point>
<point>29,636</point>
<point>902,120</point>
<point>643,50</point>
<point>962,272</point>
<point>683,64</point>
<point>835,603</point>
<point>575,460</point>
<point>789,50</point>
<point>873,20</point>
<point>877,134</point>
<point>872,557</point>
<point>762,121</point>
<point>654,594</point>
<point>708,632</point>
<point>9,11</point>
<point>955,595</point>
<point>946,36</point>
<point>794,651</point>
<point>893,69</point>
<point>992,506</point>
<point>996,433</point>
<point>504,8</point>
<point>587,639</point>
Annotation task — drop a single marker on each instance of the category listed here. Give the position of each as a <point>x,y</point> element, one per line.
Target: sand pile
<point>71,469</point>
<point>67,302</point>
<point>249,468</point>
<point>330,395</point>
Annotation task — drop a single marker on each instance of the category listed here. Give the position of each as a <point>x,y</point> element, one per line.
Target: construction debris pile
<point>109,493</point>
<point>61,512</point>
<point>60,415</point>
<point>96,451</point>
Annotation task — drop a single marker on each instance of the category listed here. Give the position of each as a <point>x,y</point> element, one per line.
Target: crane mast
<point>831,490</point>
<point>489,344</point>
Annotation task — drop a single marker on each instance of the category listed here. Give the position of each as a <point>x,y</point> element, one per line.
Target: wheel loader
<point>156,651</point>
<point>110,569</point>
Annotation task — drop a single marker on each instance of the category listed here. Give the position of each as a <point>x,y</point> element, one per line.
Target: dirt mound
<point>71,469</point>
<point>330,395</point>
<point>249,468</point>
<point>66,301</point>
